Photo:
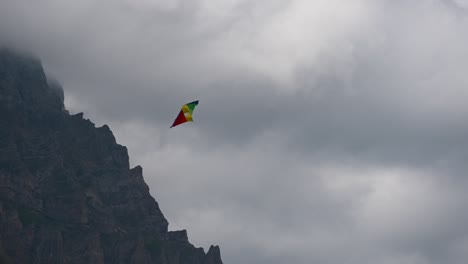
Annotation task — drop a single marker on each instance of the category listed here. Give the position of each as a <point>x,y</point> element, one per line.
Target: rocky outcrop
<point>67,193</point>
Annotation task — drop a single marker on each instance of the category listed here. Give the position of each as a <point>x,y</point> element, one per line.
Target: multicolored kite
<point>185,114</point>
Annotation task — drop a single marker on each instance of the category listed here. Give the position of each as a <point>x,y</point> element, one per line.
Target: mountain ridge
<point>67,192</point>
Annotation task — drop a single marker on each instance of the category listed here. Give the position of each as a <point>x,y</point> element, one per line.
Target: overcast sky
<point>328,131</point>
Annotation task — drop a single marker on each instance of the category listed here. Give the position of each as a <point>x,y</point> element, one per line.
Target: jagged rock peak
<point>180,236</point>
<point>213,256</point>
<point>24,83</point>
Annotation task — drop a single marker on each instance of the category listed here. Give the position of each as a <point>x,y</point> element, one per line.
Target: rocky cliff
<point>67,193</point>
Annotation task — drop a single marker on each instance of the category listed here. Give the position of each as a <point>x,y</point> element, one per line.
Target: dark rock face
<point>67,194</point>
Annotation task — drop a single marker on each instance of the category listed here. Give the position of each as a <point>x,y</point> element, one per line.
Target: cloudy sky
<point>328,131</point>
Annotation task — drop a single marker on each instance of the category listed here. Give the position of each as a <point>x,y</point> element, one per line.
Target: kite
<point>185,114</point>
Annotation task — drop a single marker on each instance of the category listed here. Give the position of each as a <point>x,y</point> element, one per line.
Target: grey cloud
<point>327,132</point>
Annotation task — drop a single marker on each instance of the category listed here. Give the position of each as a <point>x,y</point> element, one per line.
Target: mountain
<point>67,192</point>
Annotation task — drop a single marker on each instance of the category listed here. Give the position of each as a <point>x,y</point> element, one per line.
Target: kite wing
<point>185,114</point>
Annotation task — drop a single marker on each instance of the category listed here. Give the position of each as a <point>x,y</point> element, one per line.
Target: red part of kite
<point>180,119</point>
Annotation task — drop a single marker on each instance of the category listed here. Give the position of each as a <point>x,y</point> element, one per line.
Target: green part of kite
<point>192,106</point>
